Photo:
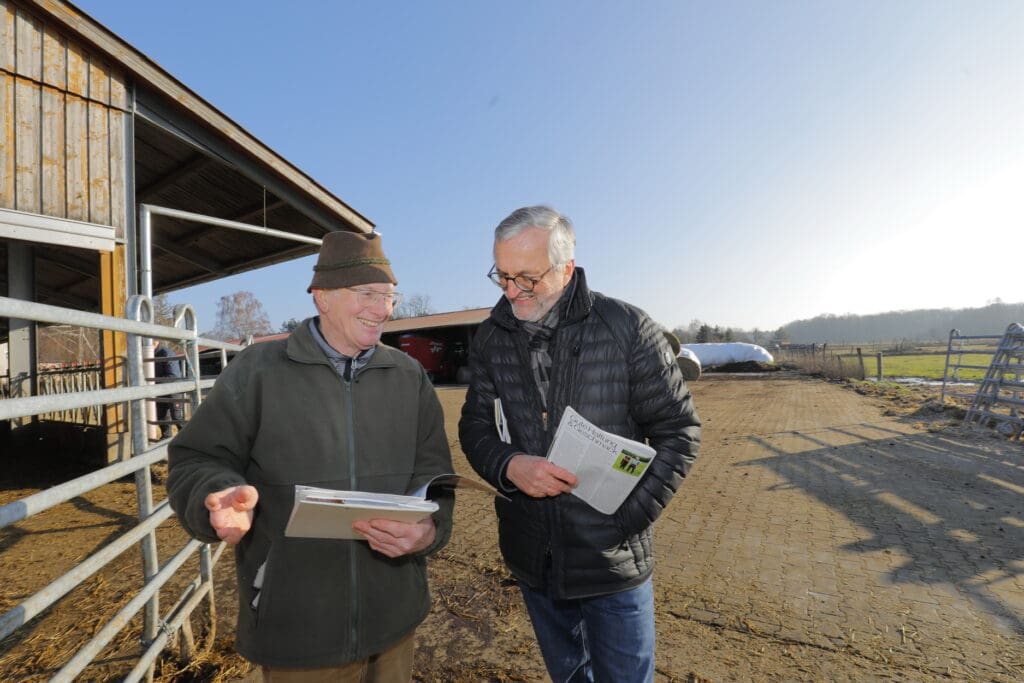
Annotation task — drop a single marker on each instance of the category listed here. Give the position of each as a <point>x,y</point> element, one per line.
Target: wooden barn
<point>115,180</point>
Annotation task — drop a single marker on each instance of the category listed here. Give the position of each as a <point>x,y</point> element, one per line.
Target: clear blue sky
<point>743,163</point>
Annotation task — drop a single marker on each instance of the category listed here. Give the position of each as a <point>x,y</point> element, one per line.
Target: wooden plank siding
<point>64,109</point>
<point>77,126</point>
<point>28,61</point>
<point>54,125</point>
<point>6,105</point>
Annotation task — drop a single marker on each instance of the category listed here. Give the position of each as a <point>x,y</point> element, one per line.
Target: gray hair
<point>561,236</point>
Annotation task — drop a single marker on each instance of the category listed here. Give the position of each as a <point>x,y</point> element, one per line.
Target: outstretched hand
<point>231,512</point>
<point>394,539</point>
<point>539,478</point>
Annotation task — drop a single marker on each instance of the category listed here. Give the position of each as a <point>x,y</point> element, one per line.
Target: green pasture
<point>929,366</point>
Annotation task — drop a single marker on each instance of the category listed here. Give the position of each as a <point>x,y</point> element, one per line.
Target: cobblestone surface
<point>813,520</point>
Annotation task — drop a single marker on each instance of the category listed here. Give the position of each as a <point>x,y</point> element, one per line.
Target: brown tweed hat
<point>348,259</point>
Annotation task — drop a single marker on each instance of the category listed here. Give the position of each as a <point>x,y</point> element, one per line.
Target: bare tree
<point>239,315</point>
<point>413,307</point>
<point>163,310</point>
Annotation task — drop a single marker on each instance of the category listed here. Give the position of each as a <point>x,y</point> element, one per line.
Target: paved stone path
<point>812,522</point>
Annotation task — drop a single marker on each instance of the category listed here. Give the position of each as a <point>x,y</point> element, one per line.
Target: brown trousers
<point>394,665</point>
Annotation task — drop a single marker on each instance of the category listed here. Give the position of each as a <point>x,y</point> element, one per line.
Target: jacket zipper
<point>354,484</point>
<point>562,385</point>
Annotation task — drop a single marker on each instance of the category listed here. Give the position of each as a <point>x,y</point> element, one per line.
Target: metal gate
<point>1000,397</point>
<point>158,627</point>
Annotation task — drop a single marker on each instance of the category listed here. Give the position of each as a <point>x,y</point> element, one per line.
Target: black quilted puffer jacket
<point>611,363</point>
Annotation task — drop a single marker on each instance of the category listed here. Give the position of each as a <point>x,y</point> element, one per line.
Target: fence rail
<point>846,361</point>
<point>834,362</point>
<point>955,351</point>
<point>81,397</point>
<point>999,400</point>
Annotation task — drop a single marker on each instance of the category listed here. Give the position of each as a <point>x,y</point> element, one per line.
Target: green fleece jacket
<point>278,416</point>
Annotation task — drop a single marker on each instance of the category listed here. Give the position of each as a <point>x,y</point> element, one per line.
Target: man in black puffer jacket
<point>549,343</point>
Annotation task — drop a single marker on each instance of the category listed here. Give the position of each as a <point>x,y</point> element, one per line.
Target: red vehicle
<point>431,353</point>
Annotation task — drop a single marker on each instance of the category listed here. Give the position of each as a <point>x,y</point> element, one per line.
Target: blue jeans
<point>607,639</point>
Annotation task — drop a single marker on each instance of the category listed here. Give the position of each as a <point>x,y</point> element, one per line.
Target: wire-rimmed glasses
<point>368,297</point>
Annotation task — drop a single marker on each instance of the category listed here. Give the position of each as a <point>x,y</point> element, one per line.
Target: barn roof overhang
<point>185,154</point>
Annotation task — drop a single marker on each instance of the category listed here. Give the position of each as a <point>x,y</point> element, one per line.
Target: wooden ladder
<point>1000,397</point>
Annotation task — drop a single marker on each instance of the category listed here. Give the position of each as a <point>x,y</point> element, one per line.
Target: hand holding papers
<point>607,465</point>
<point>329,513</point>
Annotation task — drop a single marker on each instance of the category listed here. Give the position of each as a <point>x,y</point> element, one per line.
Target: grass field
<point>926,360</point>
<point>929,366</point>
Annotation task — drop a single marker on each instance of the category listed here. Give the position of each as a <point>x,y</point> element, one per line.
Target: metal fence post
<point>945,372</point>
<point>139,307</point>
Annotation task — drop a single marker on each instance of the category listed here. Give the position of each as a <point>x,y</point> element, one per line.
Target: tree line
<point>918,325</point>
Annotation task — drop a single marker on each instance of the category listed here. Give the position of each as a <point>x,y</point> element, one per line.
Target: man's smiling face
<point>527,254</point>
<point>348,325</point>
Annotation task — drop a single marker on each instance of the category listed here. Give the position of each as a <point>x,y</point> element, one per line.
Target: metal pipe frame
<point>153,210</point>
<point>146,213</point>
<point>44,313</point>
<point>84,656</point>
<point>43,599</point>
<point>201,587</point>
<point>140,307</point>
<point>37,405</point>
<point>138,326</point>
<point>13,513</point>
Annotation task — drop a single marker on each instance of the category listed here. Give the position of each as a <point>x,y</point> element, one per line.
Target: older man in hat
<point>331,407</point>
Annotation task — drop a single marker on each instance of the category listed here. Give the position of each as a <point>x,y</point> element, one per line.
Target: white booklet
<point>329,513</point>
<point>607,465</point>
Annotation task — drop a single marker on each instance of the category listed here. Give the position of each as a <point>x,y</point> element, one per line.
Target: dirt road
<point>823,535</point>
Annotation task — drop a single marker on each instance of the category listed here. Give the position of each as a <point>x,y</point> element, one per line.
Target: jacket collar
<point>578,307</point>
<point>303,348</point>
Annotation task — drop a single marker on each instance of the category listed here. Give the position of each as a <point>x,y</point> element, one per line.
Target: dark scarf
<point>540,335</point>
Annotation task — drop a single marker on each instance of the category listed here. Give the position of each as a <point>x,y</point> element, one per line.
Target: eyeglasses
<point>525,283</point>
<point>368,297</point>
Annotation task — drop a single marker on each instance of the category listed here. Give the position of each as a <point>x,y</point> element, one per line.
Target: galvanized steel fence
<point>1000,398</point>
<point>82,397</point>
<point>959,350</point>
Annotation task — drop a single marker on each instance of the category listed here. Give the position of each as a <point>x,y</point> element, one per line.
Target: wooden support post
<point>878,359</point>
<point>114,347</point>
<point>860,360</point>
